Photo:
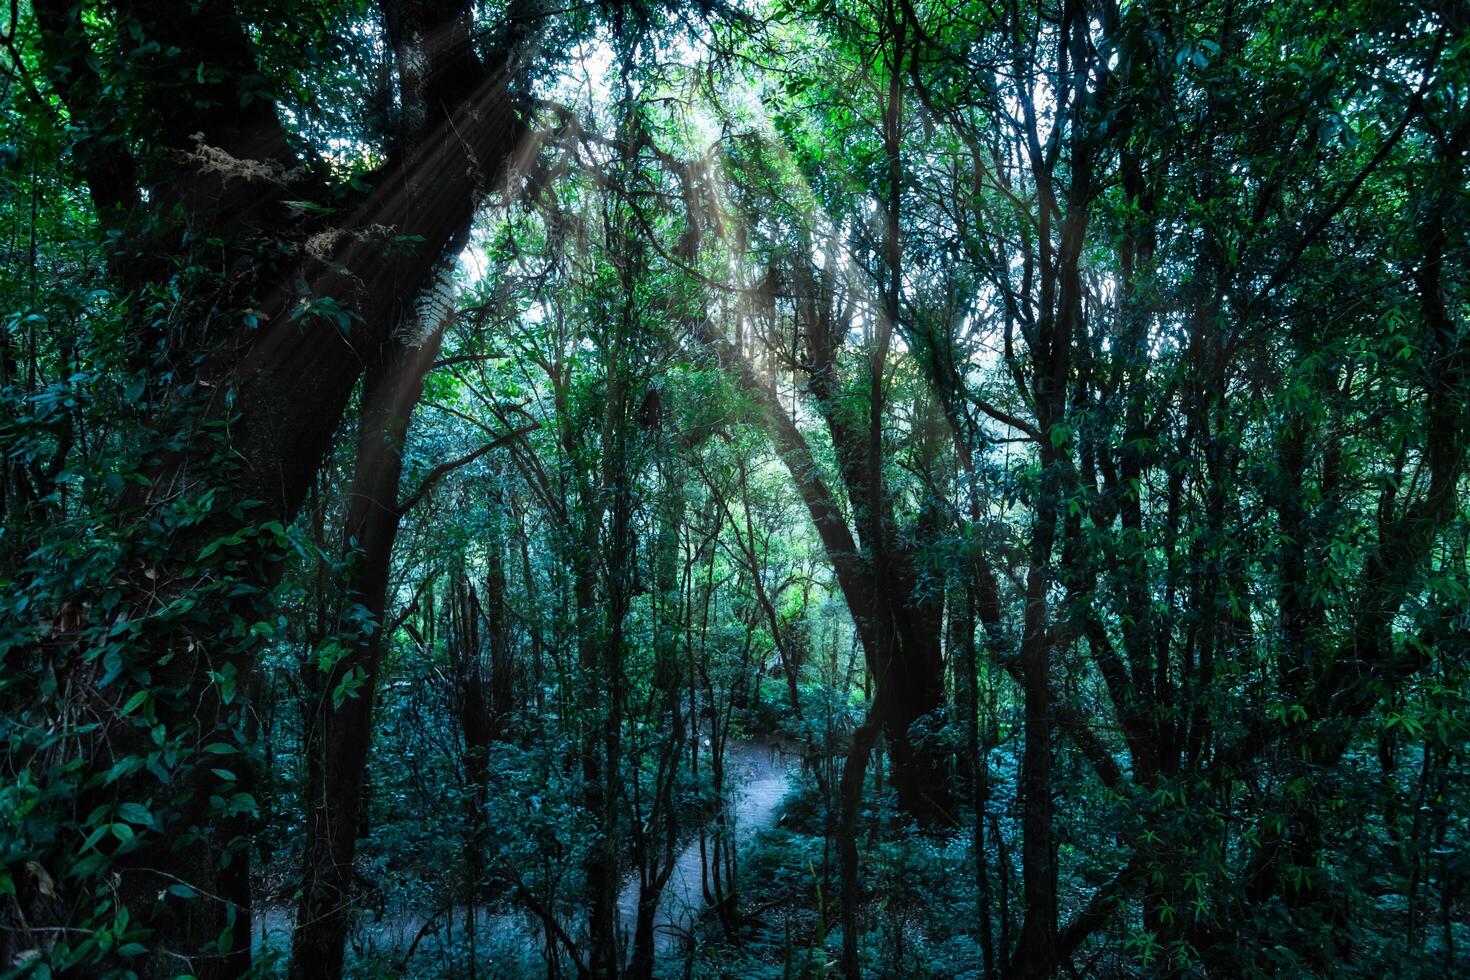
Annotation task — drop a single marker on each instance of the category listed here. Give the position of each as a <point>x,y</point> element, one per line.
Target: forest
<point>734,489</point>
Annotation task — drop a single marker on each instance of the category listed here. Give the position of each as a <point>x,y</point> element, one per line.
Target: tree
<point>491,432</point>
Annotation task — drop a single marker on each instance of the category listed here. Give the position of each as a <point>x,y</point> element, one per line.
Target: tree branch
<point>443,469</point>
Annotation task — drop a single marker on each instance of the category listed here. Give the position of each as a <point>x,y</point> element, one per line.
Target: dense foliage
<point>452,453</point>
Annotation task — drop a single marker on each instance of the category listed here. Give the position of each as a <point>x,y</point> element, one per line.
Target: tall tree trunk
<point>268,365</point>
<point>339,726</point>
<point>976,756</point>
<point>854,772</point>
<point>656,838</point>
<point>1036,953</point>
<point>477,724</point>
<point>1060,323</point>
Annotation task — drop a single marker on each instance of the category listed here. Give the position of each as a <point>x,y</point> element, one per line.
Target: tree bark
<point>339,728</point>
<point>279,376</point>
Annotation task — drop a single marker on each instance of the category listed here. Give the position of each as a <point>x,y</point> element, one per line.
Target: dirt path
<point>759,776</point>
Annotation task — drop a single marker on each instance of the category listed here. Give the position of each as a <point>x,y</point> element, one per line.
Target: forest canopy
<point>734,488</point>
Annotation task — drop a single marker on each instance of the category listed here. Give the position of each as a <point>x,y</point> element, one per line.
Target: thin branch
<point>443,469</point>
<point>1006,418</point>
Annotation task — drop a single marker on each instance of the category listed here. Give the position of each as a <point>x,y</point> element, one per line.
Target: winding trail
<point>758,774</point>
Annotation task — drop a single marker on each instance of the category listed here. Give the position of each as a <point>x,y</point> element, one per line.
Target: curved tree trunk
<point>280,377</point>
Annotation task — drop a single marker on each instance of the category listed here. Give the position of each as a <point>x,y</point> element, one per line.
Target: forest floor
<point>759,776</point>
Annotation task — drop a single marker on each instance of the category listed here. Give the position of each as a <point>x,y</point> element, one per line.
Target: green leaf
<point>134,702</point>
<point>136,813</point>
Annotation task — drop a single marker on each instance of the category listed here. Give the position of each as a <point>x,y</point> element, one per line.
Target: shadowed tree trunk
<point>655,837</point>
<point>342,678</point>
<point>320,306</point>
